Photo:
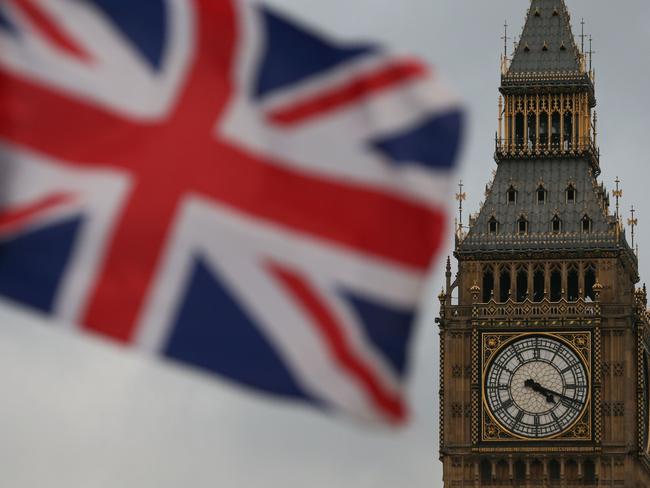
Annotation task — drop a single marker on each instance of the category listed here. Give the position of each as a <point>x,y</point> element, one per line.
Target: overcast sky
<point>79,413</point>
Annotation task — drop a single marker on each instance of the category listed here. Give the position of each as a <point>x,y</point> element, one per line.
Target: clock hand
<point>550,394</point>
<point>572,400</point>
<point>533,385</point>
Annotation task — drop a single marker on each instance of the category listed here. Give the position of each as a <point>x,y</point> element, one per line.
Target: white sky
<point>76,412</point>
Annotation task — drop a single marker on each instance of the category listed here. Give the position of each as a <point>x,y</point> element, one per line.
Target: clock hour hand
<point>533,385</point>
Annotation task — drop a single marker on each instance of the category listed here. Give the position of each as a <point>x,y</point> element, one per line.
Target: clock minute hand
<point>559,395</point>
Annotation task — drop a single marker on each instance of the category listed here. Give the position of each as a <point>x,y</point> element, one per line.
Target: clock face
<point>536,386</point>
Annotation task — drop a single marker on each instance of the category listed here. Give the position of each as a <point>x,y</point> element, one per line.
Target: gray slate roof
<point>525,176</point>
<point>543,26</point>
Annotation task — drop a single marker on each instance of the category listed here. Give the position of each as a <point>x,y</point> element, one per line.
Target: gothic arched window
<point>538,284</point>
<point>488,285</point>
<point>532,130</point>
<point>571,194</point>
<point>493,226</point>
<point>543,129</point>
<point>586,224</point>
<point>519,130</point>
<point>590,281</point>
<point>556,285</point>
<point>504,284</point>
<point>568,131</point>
<point>512,196</point>
<point>556,225</point>
<point>542,195</point>
<point>555,130</point>
<point>573,286</point>
<point>522,284</point>
<point>522,225</point>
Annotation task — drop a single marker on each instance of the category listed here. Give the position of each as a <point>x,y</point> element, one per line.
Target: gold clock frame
<point>580,342</point>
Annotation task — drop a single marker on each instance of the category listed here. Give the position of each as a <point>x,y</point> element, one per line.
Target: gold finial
<point>618,194</point>
<point>505,39</point>
<point>460,198</point>
<point>442,297</point>
<point>475,290</point>
<point>598,288</point>
<point>591,53</point>
<point>632,222</point>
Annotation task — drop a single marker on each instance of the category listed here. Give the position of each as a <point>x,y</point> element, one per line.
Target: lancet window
<point>488,284</point>
<point>539,284</point>
<point>504,284</point>
<point>556,284</point>
<point>522,284</point>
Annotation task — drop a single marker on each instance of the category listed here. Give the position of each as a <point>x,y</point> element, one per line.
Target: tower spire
<point>547,44</point>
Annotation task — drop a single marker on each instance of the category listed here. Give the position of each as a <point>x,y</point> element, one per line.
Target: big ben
<point>545,335</point>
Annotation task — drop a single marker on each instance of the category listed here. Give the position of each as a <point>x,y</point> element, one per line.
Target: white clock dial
<point>536,386</point>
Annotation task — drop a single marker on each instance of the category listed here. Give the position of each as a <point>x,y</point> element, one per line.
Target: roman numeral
<point>570,403</point>
<point>519,356</point>
<point>504,406</point>
<point>499,367</point>
<point>558,348</point>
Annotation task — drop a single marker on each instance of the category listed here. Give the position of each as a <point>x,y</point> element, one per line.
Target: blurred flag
<point>209,181</point>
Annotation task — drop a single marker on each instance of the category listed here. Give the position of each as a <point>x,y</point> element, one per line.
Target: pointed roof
<point>547,44</point>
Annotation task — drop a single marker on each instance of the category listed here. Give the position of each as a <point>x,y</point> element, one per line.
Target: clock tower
<point>544,335</point>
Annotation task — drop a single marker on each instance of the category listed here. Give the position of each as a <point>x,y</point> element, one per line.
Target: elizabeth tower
<point>544,335</point>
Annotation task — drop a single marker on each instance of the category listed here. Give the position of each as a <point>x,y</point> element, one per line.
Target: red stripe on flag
<point>12,217</point>
<point>389,403</point>
<point>51,31</point>
<point>349,93</point>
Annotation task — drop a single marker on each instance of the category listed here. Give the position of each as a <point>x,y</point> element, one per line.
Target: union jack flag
<point>211,182</point>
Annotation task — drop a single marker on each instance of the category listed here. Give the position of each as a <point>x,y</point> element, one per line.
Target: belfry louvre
<point>545,354</point>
